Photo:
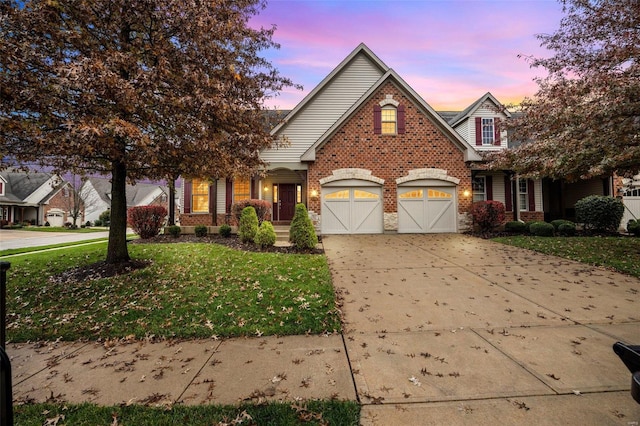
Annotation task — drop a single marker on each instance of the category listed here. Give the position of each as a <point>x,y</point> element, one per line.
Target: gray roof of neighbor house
<point>135,193</point>
<point>20,185</point>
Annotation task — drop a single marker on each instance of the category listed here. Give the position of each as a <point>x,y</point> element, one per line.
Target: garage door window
<point>438,194</point>
<point>365,195</point>
<point>337,195</point>
<point>412,194</point>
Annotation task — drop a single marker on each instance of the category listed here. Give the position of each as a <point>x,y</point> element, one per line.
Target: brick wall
<point>389,157</point>
<point>63,200</point>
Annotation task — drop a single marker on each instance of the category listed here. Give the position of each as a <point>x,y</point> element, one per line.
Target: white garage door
<point>352,210</point>
<point>426,209</point>
<point>55,217</point>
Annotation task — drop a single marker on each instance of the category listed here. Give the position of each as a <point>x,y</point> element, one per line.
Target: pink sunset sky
<point>450,51</point>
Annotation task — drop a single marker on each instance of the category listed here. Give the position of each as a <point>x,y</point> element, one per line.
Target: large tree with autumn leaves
<point>134,89</point>
<point>584,121</point>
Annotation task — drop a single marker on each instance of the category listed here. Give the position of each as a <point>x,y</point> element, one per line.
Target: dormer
<point>481,124</point>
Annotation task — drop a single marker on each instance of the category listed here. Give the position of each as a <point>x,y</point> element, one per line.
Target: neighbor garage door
<point>352,210</point>
<point>427,209</point>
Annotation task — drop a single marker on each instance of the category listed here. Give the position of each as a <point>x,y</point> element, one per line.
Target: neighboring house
<point>96,193</point>
<point>34,197</point>
<point>367,154</point>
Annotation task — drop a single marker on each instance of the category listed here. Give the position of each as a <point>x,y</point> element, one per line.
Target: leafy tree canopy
<point>135,89</point>
<point>584,121</point>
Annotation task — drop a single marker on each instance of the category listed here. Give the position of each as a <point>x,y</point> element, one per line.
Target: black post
<point>6,392</point>
<point>4,266</point>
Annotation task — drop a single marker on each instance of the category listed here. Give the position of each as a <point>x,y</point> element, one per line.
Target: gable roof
<point>470,153</point>
<point>27,188</point>
<point>137,195</point>
<point>362,49</point>
<point>474,106</point>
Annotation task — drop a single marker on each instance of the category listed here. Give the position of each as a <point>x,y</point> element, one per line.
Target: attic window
<point>487,131</point>
<point>389,120</point>
<point>1,188</point>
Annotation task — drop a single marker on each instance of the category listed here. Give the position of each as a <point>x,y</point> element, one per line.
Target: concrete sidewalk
<point>12,239</point>
<point>439,329</point>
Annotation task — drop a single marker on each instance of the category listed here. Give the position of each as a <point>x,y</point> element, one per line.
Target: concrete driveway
<point>449,329</point>
<point>12,239</point>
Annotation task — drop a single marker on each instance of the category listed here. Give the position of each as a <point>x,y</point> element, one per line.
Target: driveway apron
<point>450,328</point>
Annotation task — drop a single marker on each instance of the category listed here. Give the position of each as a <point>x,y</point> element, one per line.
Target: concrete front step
<point>282,232</point>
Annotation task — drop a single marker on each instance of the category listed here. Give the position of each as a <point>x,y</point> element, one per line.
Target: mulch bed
<point>231,242</point>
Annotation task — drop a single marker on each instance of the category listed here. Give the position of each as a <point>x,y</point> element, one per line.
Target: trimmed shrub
<point>633,227</point>
<point>567,229</point>
<point>47,223</point>
<point>487,214</point>
<point>146,221</point>
<point>201,231</point>
<point>88,224</point>
<point>225,231</point>
<point>515,227</point>
<point>248,225</point>
<point>96,222</point>
<point>173,230</point>
<point>266,235</point>
<point>541,229</point>
<point>599,213</point>
<point>556,223</point>
<point>301,233</point>
<point>262,208</point>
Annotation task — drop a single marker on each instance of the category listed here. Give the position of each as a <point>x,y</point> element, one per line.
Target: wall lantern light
<point>466,193</point>
<point>314,193</point>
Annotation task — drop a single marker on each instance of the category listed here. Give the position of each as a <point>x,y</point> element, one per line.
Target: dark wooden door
<point>287,201</point>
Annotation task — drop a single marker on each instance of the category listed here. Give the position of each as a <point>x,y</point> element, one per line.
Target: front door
<point>286,201</point>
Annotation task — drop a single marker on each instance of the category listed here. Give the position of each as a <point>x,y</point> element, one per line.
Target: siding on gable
<point>486,110</point>
<point>326,108</point>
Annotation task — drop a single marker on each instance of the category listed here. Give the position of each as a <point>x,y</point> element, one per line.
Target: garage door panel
<point>337,216</point>
<point>353,210</point>
<point>411,216</point>
<point>441,216</point>
<point>426,209</point>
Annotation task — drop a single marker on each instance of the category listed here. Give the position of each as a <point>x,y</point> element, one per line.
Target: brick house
<point>35,198</point>
<point>367,154</point>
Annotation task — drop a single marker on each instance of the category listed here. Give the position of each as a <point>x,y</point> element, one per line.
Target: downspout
<point>516,198</point>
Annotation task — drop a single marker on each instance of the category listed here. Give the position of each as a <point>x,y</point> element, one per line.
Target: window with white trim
<point>488,134</point>
<point>1,188</point>
<point>241,190</point>
<point>389,120</point>
<point>479,187</point>
<point>523,192</point>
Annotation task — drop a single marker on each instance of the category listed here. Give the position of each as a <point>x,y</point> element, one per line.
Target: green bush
<point>201,231</point>
<point>262,207</point>
<point>515,227</point>
<point>541,229</point>
<point>225,231</point>
<point>633,227</point>
<point>88,224</point>
<point>105,218</point>
<point>174,230</point>
<point>266,235</point>
<point>567,229</point>
<point>248,225</point>
<point>600,213</point>
<point>47,223</point>
<point>96,222</point>
<point>301,233</point>
<point>556,223</point>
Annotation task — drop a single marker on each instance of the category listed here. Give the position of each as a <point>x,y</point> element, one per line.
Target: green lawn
<point>190,290</point>
<point>308,413</point>
<point>621,254</point>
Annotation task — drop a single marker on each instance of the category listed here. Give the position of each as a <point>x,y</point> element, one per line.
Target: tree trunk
<point>172,201</point>
<point>117,249</point>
